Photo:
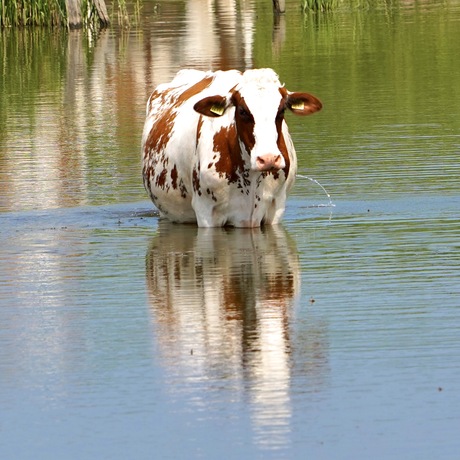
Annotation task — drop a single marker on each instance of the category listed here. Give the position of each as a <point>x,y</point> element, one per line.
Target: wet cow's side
<point>216,147</point>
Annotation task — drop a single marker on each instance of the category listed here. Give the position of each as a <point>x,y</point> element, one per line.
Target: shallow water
<point>335,335</point>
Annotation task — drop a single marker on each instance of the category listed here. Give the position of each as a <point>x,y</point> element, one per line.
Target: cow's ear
<point>212,106</point>
<point>303,103</point>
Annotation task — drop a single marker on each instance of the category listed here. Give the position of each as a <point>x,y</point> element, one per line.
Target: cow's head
<point>259,103</point>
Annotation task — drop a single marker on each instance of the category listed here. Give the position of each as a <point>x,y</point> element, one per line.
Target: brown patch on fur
<point>161,131</point>
<point>183,189</point>
<point>231,163</point>
<point>244,121</point>
<point>160,180</point>
<point>198,130</point>
<point>196,180</point>
<point>280,139</point>
<point>174,176</point>
<point>195,89</point>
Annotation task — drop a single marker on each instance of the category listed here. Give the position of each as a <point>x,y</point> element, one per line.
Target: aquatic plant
<point>329,5</point>
<point>68,13</point>
<point>319,5</point>
<point>32,12</point>
<point>50,13</point>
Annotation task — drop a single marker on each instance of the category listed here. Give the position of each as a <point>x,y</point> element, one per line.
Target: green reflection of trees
<point>408,57</point>
<point>33,63</point>
<point>390,83</point>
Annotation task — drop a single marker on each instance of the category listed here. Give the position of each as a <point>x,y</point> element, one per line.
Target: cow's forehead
<point>260,88</point>
<point>263,98</point>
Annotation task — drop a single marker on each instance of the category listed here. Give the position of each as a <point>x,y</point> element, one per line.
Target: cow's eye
<point>244,114</point>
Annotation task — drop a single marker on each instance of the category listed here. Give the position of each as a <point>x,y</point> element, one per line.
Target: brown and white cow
<point>217,150</point>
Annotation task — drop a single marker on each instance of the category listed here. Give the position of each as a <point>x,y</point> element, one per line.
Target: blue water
<point>336,336</point>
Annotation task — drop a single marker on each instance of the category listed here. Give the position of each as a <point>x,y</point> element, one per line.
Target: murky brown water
<point>336,335</point>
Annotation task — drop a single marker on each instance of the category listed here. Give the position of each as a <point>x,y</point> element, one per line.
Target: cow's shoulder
<point>253,80</point>
<point>188,76</point>
<point>224,81</point>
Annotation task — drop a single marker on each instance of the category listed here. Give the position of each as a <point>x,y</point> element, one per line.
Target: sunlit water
<point>335,335</point>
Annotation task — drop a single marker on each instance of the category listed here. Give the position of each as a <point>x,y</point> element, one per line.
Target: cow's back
<point>170,138</point>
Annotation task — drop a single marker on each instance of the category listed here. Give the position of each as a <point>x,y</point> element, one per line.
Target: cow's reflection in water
<point>221,303</point>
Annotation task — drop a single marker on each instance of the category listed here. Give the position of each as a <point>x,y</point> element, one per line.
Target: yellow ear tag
<point>217,109</point>
<point>298,105</point>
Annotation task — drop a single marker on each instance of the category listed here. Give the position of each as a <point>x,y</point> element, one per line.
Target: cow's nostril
<point>269,162</point>
<point>260,161</point>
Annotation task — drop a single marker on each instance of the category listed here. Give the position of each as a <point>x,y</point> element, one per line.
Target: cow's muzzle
<point>270,162</point>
